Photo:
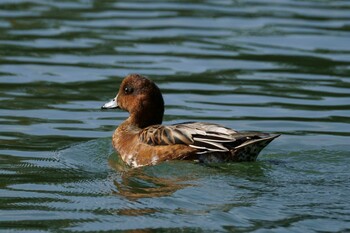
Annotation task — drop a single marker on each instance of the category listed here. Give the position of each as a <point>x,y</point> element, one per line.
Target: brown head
<point>141,98</point>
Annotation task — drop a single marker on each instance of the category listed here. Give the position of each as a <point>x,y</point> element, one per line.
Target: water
<point>275,66</point>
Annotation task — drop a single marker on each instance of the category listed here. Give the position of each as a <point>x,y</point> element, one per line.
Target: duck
<point>142,140</point>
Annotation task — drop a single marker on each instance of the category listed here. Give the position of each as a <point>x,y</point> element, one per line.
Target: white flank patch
<point>155,159</point>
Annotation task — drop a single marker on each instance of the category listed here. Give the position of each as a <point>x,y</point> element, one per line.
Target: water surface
<point>274,66</point>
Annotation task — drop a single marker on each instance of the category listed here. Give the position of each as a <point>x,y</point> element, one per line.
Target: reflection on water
<point>135,184</point>
<point>145,182</point>
<point>275,66</point>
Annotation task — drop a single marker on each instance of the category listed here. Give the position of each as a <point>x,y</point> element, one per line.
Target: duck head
<point>141,98</point>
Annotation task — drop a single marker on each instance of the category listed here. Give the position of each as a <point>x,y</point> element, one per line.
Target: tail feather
<point>245,152</point>
<point>250,150</point>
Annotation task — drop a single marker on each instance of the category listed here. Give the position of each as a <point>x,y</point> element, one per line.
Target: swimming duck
<point>141,140</point>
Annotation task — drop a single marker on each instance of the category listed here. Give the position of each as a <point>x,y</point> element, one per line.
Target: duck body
<point>141,139</point>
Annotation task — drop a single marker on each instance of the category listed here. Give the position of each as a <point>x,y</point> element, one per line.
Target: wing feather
<point>209,145</point>
<point>206,137</point>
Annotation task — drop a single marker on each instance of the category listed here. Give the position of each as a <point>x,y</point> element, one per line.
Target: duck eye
<point>128,90</point>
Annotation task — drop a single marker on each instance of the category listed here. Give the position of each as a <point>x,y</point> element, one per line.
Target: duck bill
<point>111,104</point>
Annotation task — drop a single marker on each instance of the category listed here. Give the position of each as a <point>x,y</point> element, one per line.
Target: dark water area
<point>275,66</point>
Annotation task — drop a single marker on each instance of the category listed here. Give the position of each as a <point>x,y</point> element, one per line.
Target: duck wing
<point>205,137</point>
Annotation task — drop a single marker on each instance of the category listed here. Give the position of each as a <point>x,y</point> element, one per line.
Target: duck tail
<point>250,149</point>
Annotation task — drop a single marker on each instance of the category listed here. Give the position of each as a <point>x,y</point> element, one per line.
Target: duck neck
<point>146,118</point>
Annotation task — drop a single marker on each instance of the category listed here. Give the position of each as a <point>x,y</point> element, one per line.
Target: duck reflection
<point>164,179</point>
<point>135,183</point>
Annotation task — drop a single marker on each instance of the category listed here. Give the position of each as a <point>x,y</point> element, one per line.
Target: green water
<point>275,66</point>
